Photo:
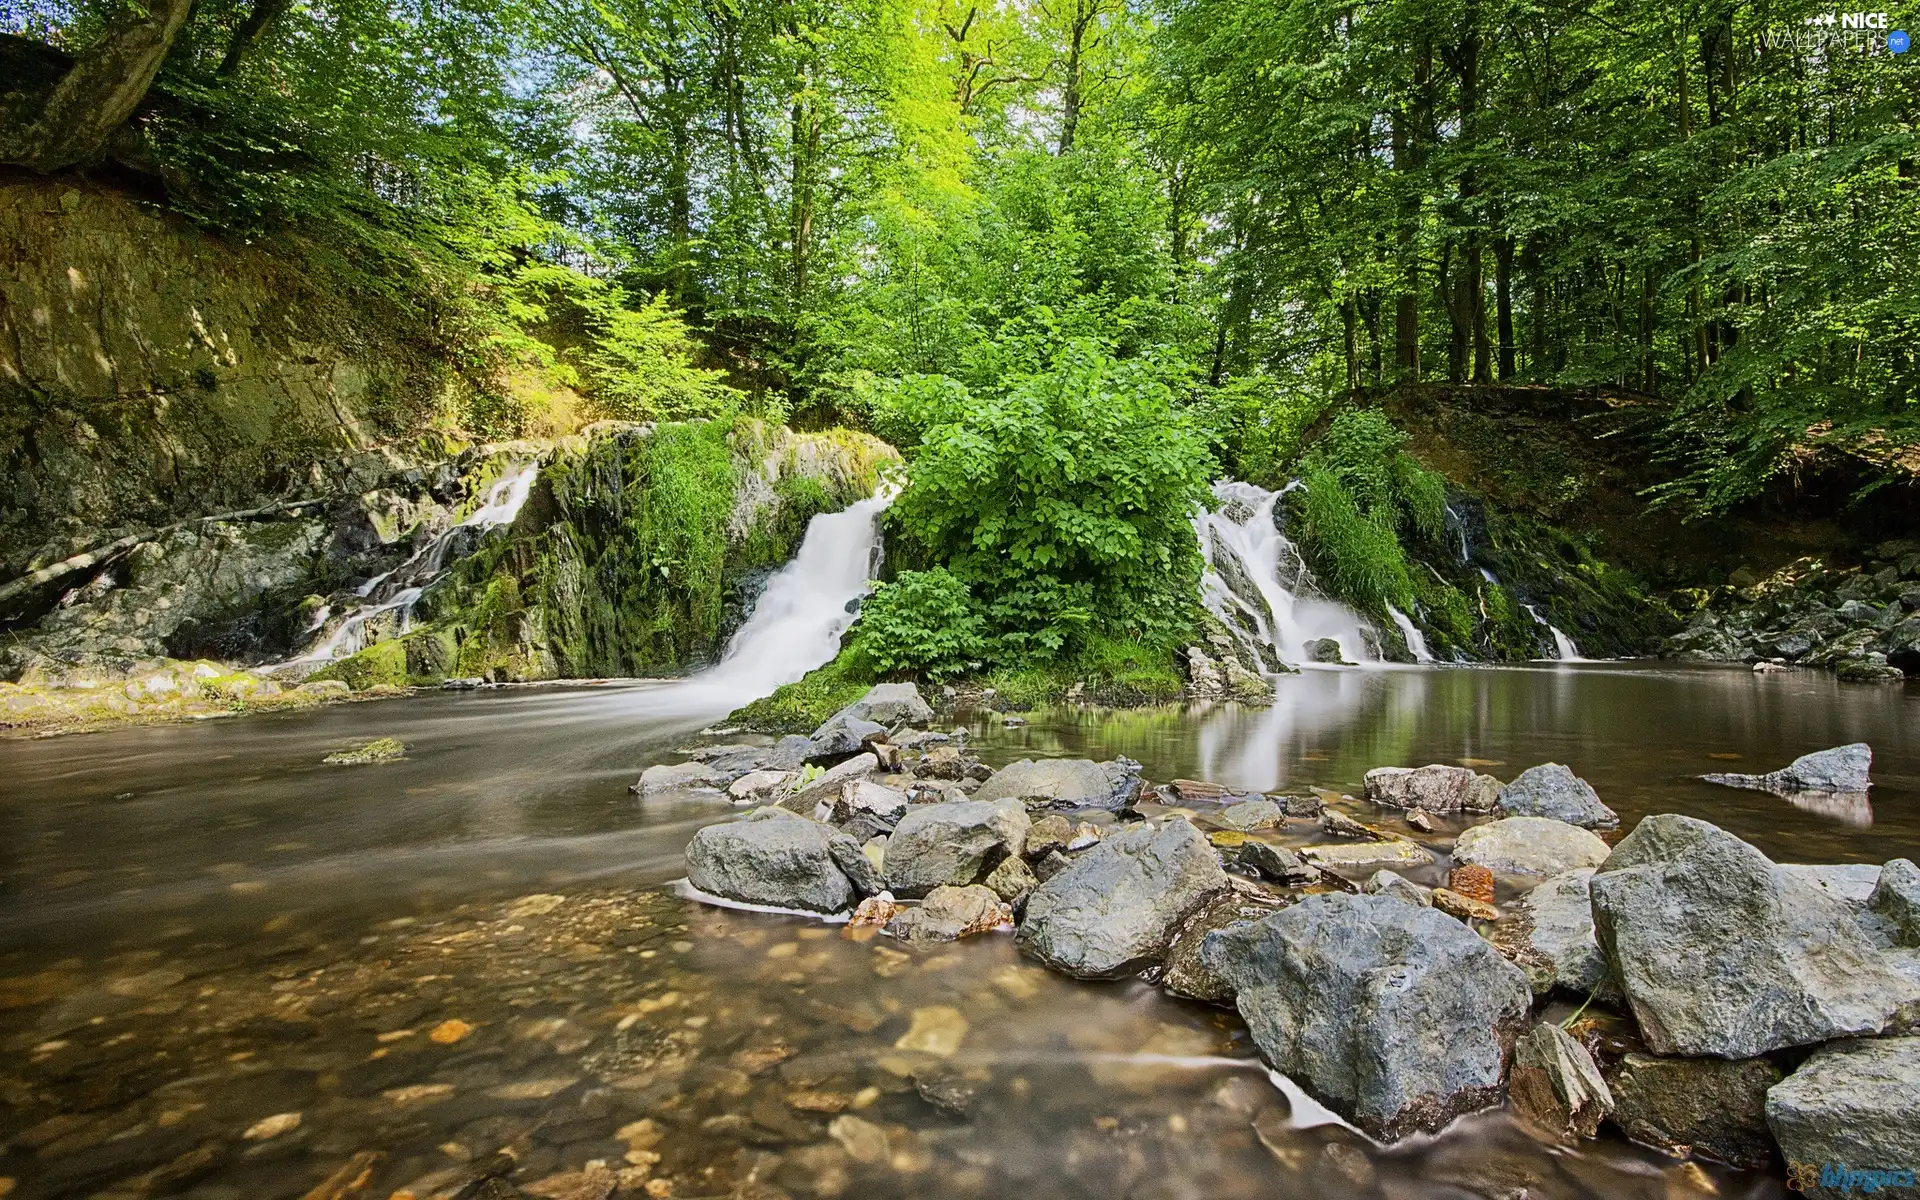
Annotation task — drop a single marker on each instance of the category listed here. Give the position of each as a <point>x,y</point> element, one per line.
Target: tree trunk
<point>1503,304</point>
<point>104,86</point>
<point>264,13</point>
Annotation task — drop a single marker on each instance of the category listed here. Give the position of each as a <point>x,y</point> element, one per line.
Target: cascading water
<point>1563,648</point>
<point>1258,585</point>
<point>1416,641</point>
<point>399,589</point>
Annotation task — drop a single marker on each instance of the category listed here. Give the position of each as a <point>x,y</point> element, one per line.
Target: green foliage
<point>1357,553</point>
<point>1364,493</point>
<point>803,706</point>
<point>1063,503</point>
<point>680,532</point>
<point>639,367</point>
<point>924,623</point>
<point>1254,424</point>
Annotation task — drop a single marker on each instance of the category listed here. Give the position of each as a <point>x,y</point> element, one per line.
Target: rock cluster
<point>1407,1001</point>
<point>1863,622</point>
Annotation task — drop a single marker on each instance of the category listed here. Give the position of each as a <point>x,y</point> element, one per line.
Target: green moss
<point>382,662</point>
<point>801,707</point>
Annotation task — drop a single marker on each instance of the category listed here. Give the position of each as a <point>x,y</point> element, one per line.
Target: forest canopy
<point>882,211</point>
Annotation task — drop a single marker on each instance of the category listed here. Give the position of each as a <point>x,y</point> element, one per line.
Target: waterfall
<point>1260,588</point>
<point>396,591</point>
<point>1563,648</point>
<point>1416,641</point>
<point>1459,524</point>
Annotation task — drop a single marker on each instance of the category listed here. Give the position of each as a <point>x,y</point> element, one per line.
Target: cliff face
<point>150,371</point>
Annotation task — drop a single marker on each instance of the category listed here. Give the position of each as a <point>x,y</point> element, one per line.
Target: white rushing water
<point>1563,648</point>
<point>1416,641</point>
<point>1257,583</point>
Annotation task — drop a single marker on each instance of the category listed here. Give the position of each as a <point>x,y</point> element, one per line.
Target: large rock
<point>842,735</point>
<point>1436,788</point>
<point>1721,953</point>
<point>1187,973</point>
<point>1396,1016</point>
<point>806,798</point>
<point>1113,911</point>
<point>952,844</point>
<point>1710,1105</point>
<point>1841,769</point>
<point>1529,846</point>
<point>1551,790</point>
<point>678,777</point>
<point>1249,815</point>
<point>1064,783</point>
<point>1553,927</point>
<point>886,704</point>
<point>1555,1084</point>
<point>1896,900</point>
<point>1855,1110</point>
<point>950,913</point>
<point>886,805</point>
<point>775,858</point>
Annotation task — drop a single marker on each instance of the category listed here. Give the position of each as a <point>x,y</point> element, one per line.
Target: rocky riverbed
<point>1391,961</point>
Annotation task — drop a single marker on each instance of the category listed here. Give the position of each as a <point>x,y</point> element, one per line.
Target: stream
<point>204,931</point>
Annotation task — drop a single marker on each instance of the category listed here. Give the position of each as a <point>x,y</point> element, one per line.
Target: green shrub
<point>1253,425</point>
<point>802,706</point>
<point>640,366</point>
<point>1355,553</point>
<point>923,623</point>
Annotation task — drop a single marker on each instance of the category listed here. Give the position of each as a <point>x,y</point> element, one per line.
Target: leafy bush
<point>1253,425</point>
<point>925,623</point>
<point>640,367</point>
<point>1064,504</point>
<point>1356,553</point>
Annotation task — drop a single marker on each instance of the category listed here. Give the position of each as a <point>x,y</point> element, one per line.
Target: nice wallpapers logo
<point>1864,32</point>
<point>1841,1178</point>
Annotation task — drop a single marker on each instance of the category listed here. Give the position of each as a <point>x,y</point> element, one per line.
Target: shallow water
<point>202,928</point>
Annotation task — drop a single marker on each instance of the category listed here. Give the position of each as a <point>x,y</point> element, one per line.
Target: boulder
<point>1551,790</point>
<point>806,798</point>
<point>1187,973</point>
<point>1368,854</point>
<point>1249,815</point>
<point>1553,927</point>
<point>775,858</point>
<point>1399,887</point>
<point>1463,906</point>
<point>863,796</point>
<point>1307,806</point>
<point>1049,833</point>
<point>1394,1015</point>
<point>1325,650</point>
<point>887,704</point>
<point>1896,900</point>
<point>1013,880</point>
<point>1851,1114</point>
<point>677,777</point>
<point>1274,862</point>
<point>790,753</point>
<point>1712,1106</point>
<point>1851,883</point>
<point>1437,788</point>
<point>1556,1086</point>
<point>1719,952</point>
<point>941,762</point>
<point>1841,769</point>
<point>1113,910</point>
<point>949,914</point>
<point>758,787</point>
<point>1529,846</point>
<point>920,739</point>
<point>1064,783</point>
<point>952,844</point>
<point>842,735</point>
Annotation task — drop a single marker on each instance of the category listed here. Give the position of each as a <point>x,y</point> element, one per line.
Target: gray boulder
<point>790,753</point>
<point>1719,952</point>
<point>1854,1110</point>
<point>1396,1016</point>
<point>949,914</point>
<point>1556,1086</point>
<point>1896,900</point>
<point>952,844</point>
<point>1064,783</point>
<point>1529,846</point>
<point>1013,880</point>
<point>1187,973</point>
<point>1114,909</point>
<point>1841,769</point>
<point>1852,883</point>
<point>1397,886</point>
<point>1712,1106</point>
<point>890,704</point>
<point>1551,790</point>
<point>805,799</point>
<point>775,858</point>
<point>1436,788</point>
<point>1552,926</point>
<point>1249,815</point>
<point>1275,862</point>
<point>678,777</point>
<point>843,734</point>
<point>886,805</point>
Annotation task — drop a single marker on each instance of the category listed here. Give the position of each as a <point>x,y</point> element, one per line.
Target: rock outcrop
<point>1844,769</point>
<point>1065,783</point>
<point>1552,790</point>
<point>1436,788</point>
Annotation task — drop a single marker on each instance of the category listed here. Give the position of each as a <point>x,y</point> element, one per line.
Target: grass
<point>801,707</point>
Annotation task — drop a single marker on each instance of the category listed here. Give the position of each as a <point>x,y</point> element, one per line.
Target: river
<point>204,931</point>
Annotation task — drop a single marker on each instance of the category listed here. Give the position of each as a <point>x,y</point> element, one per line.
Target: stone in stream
<point>1712,1106</point>
<point>842,735</point>
<point>1368,854</point>
<point>1896,900</point>
<point>1395,1016</point>
<point>1047,834</point>
<point>1549,933</point>
<point>805,798</point>
<point>1340,824</point>
<point>1274,862</point>
<point>1555,1084</point>
<point>1013,880</point>
<point>677,777</point>
<point>776,858</point>
<point>863,796</point>
<point>1399,887</point>
<point>1436,788</point>
<point>1719,952</point>
<point>1249,815</point>
<point>1064,783</point>
<point>1551,790</point>
<point>1841,769</point>
<point>1466,908</point>
<point>1472,881</point>
<point>1853,1109</point>
<point>1529,846</point>
<point>1325,650</point>
<point>952,844</point>
<point>1187,973</point>
<point>888,704</point>
<point>1114,909</point>
<point>790,753</point>
<point>950,913</point>
<point>758,787</point>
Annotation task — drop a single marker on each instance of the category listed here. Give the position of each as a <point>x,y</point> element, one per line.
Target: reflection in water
<point>1851,807</point>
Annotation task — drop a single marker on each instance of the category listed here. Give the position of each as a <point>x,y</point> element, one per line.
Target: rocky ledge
<point>1746,1011</point>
